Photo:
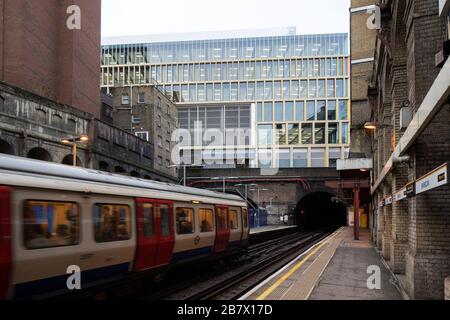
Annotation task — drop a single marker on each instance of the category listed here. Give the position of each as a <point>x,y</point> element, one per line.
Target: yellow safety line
<point>287,275</point>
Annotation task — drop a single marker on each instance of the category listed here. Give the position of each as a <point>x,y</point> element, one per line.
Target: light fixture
<point>84,138</point>
<point>370,126</point>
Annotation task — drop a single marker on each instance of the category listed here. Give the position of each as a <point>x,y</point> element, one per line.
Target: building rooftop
<point>199,36</point>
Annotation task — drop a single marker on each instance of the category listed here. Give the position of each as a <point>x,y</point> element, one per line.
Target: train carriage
<point>111,227</point>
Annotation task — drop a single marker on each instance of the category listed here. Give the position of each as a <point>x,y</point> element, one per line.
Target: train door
<point>235,222</point>
<point>155,233</point>
<point>222,229</point>
<point>5,240</point>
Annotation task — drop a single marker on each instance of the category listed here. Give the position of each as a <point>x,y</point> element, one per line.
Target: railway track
<point>245,279</point>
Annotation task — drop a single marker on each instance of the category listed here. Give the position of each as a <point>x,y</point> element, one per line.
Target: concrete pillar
<point>428,257</point>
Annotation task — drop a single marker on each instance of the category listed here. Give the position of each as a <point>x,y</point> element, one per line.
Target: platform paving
<point>345,278</point>
<point>335,269</point>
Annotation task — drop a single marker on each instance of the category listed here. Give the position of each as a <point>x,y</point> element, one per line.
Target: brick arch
<point>6,148</point>
<point>39,154</point>
<point>68,160</point>
<point>104,166</point>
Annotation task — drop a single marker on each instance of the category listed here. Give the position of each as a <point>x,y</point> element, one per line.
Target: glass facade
<point>296,88</point>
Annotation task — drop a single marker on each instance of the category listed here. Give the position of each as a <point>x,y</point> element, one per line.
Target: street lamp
<point>83,138</point>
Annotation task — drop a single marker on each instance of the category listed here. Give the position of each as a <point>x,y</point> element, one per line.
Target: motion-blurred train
<point>112,227</point>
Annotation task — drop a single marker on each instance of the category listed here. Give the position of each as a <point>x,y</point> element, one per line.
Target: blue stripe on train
<point>34,288</point>
<point>186,255</point>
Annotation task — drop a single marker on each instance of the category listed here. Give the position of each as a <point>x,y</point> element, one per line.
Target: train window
<point>234,221</point>
<point>148,222</point>
<point>206,220</point>
<point>185,221</point>
<point>165,220</point>
<point>245,216</point>
<point>112,222</point>
<point>49,224</point>
<point>222,221</point>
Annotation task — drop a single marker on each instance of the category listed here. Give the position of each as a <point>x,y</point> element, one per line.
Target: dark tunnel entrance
<point>318,211</point>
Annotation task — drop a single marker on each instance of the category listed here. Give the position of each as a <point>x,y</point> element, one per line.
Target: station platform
<point>334,269</point>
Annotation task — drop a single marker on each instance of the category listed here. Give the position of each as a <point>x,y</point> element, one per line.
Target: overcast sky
<point>134,17</point>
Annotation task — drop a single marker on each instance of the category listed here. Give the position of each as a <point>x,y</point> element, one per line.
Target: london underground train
<point>111,228</point>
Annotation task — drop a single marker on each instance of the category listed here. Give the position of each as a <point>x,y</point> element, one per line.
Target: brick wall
<point>41,55</point>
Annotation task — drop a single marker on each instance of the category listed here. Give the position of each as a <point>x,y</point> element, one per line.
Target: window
<point>268,111</point>
<point>321,110</point>
<point>300,158</point>
<point>51,224</point>
<point>312,88</point>
<point>310,110</point>
<point>295,89</point>
<point>321,88</point>
<point>293,133</point>
<point>280,134</point>
<point>206,220</point>
<point>160,160</point>
<point>284,158</point>
<point>343,114</point>
<point>278,111</point>
<point>300,111</point>
<point>344,133</point>
<point>268,91</point>
<point>234,220</point>
<point>259,112</point>
<point>331,110</point>
<point>185,221</point>
<point>330,89</point>
<point>265,135</point>
<point>141,97</point>
<point>112,222</point>
<point>306,133</point>
<point>319,133</point>
<point>277,90</point>
<point>125,99</point>
<point>148,223</point>
<point>260,91</point>
<point>142,135</point>
<point>317,158</point>
<point>289,111</point>
<point>340,88</point>
<point>303,88</point>
<point>333,136</point>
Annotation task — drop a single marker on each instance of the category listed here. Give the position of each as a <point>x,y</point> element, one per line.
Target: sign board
<point>435,179</point>
<point>400,195</point>
<point>381,204</point>
<point>388,201</point>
